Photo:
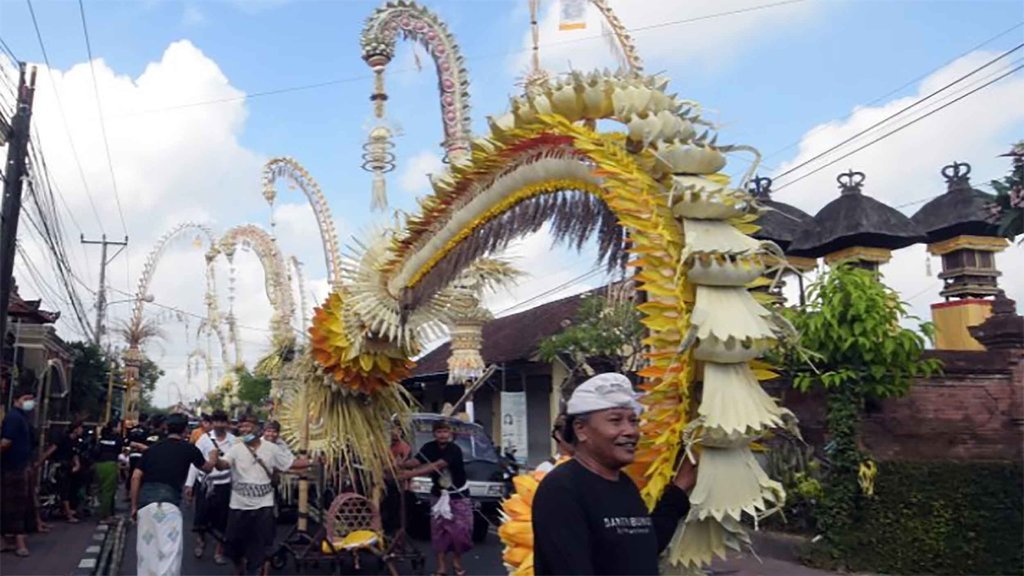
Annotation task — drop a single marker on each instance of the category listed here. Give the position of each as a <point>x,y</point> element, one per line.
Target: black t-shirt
<point>167,462</point>
<point>137,434</point>
<point>65,447</point>
<point>586,524</point>
<point>454,474</point>
<point>108,448</point>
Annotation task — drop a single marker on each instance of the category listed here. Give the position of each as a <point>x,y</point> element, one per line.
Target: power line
<point>365,77</point>
<point>903,126</point>
<point>63,117</point>
<point>7,49</point>
<point>186,312</point>
<point>910,82</point>
<point>573,281</point>
<point>103,124</point>
<point>899,112</point>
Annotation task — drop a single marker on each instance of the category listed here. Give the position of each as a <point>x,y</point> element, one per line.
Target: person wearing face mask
<point>251,526</point>
<point>16,515</point>
<point>588,516</point>
<point>212,492</point>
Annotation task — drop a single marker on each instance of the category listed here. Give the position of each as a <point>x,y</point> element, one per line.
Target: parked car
<point>484,475</point>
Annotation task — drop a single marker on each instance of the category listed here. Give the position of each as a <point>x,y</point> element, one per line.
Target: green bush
<point>937,518</point>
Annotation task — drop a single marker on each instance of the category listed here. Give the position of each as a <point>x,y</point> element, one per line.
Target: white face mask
<point>28,405</point>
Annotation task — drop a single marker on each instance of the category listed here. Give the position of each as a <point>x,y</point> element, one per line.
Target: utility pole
<point>17,138</point>
<point>101,295</point>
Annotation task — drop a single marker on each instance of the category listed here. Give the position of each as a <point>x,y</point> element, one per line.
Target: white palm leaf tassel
<point>729,329</point>
<point>379,159</point>
<point>379,193</point>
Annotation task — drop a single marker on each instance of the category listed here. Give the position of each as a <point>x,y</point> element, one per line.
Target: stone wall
<point>973,411</point>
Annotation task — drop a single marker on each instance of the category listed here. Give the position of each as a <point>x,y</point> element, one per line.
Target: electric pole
<point>17,138</point>
<point>101,295</point>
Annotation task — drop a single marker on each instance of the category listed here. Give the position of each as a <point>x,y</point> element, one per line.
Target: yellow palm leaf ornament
<point>654,197</point>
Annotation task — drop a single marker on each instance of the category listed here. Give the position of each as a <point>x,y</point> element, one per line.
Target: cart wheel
<point>279,559</point>
<point>418,564</point>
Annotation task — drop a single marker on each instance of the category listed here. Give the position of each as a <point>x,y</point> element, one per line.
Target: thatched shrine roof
<point>962,210</point>
<point>780,222</point>
<point>854,219</point>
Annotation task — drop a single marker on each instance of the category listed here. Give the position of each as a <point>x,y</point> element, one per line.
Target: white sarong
<point>159,543</point>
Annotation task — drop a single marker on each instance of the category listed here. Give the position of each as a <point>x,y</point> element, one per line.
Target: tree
<point>149,374</point>
<point>91,372</point>
<point>850,331</point>
<point>1008,208</point>
<point>252,389</point>
<point>604,333</point>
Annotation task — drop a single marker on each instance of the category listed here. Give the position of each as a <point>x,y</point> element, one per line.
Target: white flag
<point>573,15</point>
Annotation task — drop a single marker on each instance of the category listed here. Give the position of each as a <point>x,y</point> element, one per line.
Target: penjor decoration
<point>654,197</point>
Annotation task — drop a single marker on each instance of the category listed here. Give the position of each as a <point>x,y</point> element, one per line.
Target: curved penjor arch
<point>277,281</point>
<point>149,269</point>
<point>411,21</point>
<point>291,170</point>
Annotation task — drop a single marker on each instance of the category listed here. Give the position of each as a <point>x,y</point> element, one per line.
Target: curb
<point>90,558</point>
<point>104,553</point>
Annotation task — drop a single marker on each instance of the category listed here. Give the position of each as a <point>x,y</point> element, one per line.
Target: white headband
<point>601,392</point>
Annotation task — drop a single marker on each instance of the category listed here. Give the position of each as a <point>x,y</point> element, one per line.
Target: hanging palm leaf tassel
<point>379,193</point>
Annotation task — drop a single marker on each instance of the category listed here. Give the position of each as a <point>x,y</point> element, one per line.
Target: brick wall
<point>974,411</point>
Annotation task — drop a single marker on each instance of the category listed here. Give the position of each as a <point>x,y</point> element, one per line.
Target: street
<point>62,552</point>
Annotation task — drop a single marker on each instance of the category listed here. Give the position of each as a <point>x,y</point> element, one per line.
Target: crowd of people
<point>588,515</point>
<point>74,466</point>
<point>227,471</point>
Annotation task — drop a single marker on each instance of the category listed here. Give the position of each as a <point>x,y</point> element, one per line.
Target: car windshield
<point>475,445</point>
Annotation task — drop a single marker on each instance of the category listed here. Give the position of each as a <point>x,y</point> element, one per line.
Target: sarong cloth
<point>16,513</point>
<point>250,537</point>
<point>453,534</point>
<point>159,544</point>
<point>212,509</point>
<point>106,477</point>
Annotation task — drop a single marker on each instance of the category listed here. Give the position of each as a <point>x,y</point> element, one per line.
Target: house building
<point>35,355</point>
<point>532,387</point>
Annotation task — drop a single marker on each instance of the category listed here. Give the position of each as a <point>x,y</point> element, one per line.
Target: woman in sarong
<point>451,513</point>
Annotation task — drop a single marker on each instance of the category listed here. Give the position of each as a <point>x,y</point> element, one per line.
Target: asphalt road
<point>484,559</point>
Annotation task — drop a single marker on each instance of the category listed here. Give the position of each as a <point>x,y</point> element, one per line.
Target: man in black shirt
<point>63,452</point>
<point>588,516</point>
<point>451,516</point>
<point>156,492</point>
<point>108,448</point>
<point>135,439</point>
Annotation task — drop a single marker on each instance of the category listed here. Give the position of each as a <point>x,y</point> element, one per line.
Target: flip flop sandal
<point>21,552</point>
<point>219,560</point>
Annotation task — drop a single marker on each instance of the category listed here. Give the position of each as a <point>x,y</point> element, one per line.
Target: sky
<point>196,96</point>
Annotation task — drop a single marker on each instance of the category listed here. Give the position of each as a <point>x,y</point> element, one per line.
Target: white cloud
<point>551,271</point>
<point>414,178</point>
<point>171,164</point>
<point>904,169</point>
<point>709,43</point>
